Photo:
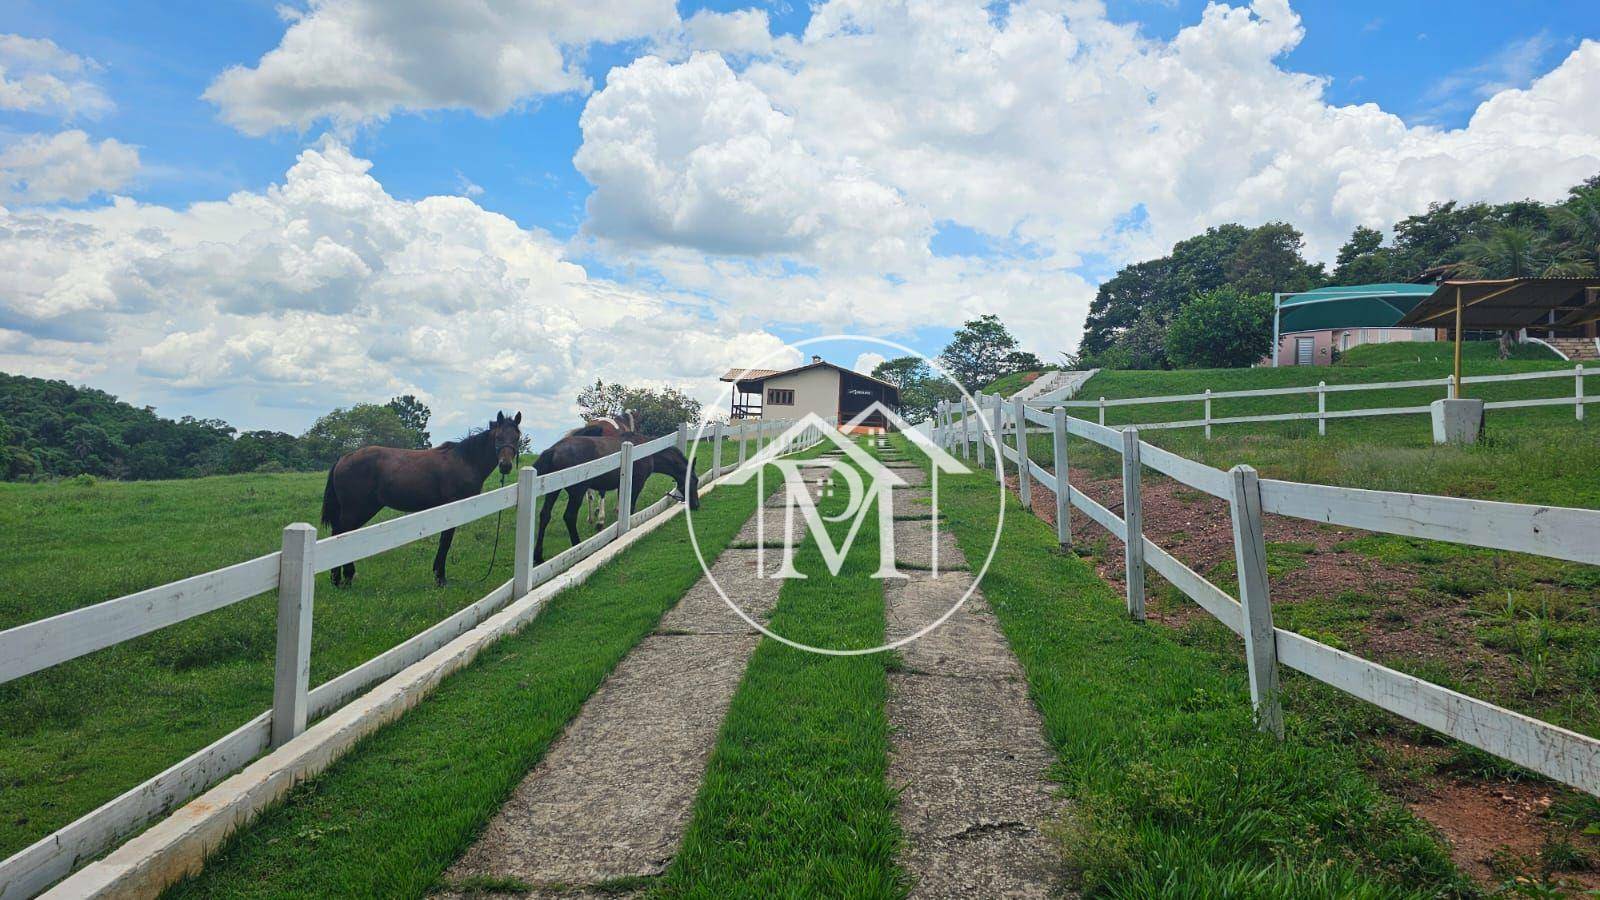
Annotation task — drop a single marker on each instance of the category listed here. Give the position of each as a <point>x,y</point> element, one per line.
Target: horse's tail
<point>330,501</point>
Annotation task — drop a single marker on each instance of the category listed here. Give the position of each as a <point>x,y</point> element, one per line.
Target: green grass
<point>78,734</point>
<point>794,802</point>
<point>1009,384</point>
<point>1176,793</point>
<point>389,817</point>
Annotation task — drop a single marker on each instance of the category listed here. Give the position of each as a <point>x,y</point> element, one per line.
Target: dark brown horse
<point>577,449</point>
<point>604,426</point>
<point>366,480</point>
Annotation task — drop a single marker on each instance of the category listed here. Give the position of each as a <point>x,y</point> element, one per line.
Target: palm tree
<point>1514,251</point>
<point>1578,223</point>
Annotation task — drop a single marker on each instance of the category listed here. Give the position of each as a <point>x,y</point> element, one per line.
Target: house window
<point>776,397</point>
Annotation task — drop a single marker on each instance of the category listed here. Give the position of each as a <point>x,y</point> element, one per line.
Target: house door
<point>1305,351</point>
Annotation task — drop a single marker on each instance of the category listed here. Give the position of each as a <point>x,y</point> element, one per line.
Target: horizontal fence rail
<point>39,645</point>
<point>1577,399</point>
<point>1555,532</point>
<point>34,646</point>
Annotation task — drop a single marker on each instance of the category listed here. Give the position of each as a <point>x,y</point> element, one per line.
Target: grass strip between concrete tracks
<point>390,817</point>
<point>794,802</point>
<point>1176,792</point>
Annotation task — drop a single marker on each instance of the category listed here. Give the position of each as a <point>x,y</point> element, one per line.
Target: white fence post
<point>1208,414</point>
<point>716,450</point>
<point>742,429</point>
<point>1133,517</point>
<point>292,672</point>
<point>999,439</point>
<point>1260,641</point>
<point>1102,410</point>
<point>966,430</point>
<point>1322,408</point>
<point>983,445</point>
<point>683,438</point>
<point>1063,479</point>
<point>1024,482</point>
<point>625,488</point>
<point>522,561</point>
<point>1577,392</point>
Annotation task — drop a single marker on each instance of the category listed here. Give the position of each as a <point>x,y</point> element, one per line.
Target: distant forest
<point>1147,316</point>
<point>50,429</point>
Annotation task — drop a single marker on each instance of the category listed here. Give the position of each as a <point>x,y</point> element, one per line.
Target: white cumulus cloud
<point>356,60</point>
<point>324,289</point>
<point>36,75</point>
<point>42,168</point>
<point>805,177</point>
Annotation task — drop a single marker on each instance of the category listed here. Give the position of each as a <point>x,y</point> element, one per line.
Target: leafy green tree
<point>1222,328</point>
<point>256,451</point>
<point>1021,361</point>
<point>658,411</point>
<point>979,352</point>
<point>414,414</point>
<point>1363,259</point>
<point>1120,300</point>
<point>920,387</point>
<point>343,430</point>
<point>1269,259</point>
<point>902,371</point>
<point>1577,223</point>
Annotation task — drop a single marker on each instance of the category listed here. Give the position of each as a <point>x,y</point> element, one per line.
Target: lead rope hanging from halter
<point>496,551</point>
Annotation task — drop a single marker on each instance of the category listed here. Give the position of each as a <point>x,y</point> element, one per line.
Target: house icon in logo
<point>867,483</point>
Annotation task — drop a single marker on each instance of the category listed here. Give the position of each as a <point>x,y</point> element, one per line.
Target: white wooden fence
<point>291,571</point>
<point>1555,532</point>
<point>1320,392</point>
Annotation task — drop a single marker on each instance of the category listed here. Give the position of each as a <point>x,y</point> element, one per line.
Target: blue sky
<point>1426,62</point>
<point>903,235</point>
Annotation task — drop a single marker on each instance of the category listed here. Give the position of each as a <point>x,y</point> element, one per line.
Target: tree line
<point>50,429</point>
<point>1208,303</point>
<point>980,352</point>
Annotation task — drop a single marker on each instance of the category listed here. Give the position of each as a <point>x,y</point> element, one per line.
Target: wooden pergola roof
<point>1509,303</point>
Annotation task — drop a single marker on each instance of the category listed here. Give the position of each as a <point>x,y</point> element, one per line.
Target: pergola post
<point>1277,302</point>
<point>1458,343</point>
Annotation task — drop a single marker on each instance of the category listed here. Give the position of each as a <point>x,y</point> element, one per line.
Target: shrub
<point>1220,329</point>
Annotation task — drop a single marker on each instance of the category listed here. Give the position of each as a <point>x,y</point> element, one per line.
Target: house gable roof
<point>739,374</point>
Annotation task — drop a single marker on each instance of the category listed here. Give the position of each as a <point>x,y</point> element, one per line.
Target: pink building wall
<point>1324,342</point>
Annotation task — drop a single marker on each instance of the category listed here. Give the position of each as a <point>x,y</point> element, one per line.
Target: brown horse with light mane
<point>604,426</point>
<point>577,449</point>
<point>366,480</point>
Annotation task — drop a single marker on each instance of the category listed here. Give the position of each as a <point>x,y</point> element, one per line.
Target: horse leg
<point>353,518</point>
<point>633,500</point>
<point>545,509</point>
<point>445,538</point>
<point>600,507</point>
<point>574,499</point>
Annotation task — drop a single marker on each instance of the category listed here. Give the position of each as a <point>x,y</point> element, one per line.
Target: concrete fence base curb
<point>179,844</point>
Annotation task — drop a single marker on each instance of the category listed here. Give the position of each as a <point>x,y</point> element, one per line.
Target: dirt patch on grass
<point>1499,831</point>
<point>1196,528</point>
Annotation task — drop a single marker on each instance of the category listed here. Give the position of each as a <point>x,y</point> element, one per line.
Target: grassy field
<point>1176,793</point>
<point>794,801</point>
<point>78,734</point>
<point>1375,363</point>
<point>1518,630</point>
<point>389,817</point>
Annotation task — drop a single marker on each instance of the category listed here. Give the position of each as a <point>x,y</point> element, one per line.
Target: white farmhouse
<point>834,394</point>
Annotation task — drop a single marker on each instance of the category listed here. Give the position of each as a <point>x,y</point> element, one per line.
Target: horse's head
<point>507,440</point>
<point>628,420</point>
